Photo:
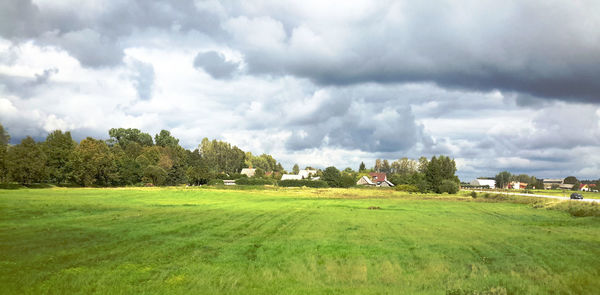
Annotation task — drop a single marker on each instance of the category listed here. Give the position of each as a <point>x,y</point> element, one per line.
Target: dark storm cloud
<point>215,64</point>
<point>96,39</point>
<point>545,50</point>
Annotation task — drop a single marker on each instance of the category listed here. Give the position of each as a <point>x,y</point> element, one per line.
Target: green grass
<point>288,241</point>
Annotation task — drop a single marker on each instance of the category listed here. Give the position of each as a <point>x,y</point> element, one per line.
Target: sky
<point>496,85</point>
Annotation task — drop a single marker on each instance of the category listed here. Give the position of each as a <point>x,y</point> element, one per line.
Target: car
<point>576,196</point>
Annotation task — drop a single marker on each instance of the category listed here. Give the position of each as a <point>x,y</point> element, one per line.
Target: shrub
<point>407,188</point>
<point>578,209</point>
<point>304,182</point>
<point>448,186</point>
<point>474,195</point>
<point>253,181</point>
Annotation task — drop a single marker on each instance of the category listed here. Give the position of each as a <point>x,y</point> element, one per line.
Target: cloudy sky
<point>498,85</point>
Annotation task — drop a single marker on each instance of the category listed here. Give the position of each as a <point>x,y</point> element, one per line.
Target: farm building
<point>291,177</point>
<point>517,185</point>
<point>483,182</point>
<point>548,182</point>
<point>307,173</point>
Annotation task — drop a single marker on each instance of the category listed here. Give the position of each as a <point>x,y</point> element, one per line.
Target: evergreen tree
<point>362,167</point>
<point>296,169</point>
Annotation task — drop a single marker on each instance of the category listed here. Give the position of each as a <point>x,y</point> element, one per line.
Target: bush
<point>448,186</point>
<point>578,209</point>
<point>253,181</point>
<point>474,195</point>
<point>407,188</point>
<point>300,183</point>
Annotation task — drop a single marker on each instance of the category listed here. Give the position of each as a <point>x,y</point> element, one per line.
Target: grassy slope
<point>292,241</point>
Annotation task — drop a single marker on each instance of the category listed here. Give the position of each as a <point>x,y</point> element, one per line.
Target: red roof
<point>377,176</point>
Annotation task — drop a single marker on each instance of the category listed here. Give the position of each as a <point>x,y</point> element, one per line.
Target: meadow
<point>289,241</point>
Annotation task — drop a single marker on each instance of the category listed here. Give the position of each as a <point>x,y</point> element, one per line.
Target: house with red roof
<point>380,179</point>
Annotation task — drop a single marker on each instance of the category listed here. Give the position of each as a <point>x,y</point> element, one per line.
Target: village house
<point>375,179</point>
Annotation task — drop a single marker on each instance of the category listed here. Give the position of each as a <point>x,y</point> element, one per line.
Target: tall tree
<point>125,136</point>
<point>26,162</point>
<point>362,167</point>
<point>296,169</point>
<point>165,139</point>
<point>423,162</point>
<point>93,163</point>
<point>502,179</point>
<point>332,176</point>
<point>385,167</point>
<point>378,165</point>
<point>58,148</point>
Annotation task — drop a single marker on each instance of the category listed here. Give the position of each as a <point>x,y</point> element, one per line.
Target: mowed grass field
<point>288,241</point>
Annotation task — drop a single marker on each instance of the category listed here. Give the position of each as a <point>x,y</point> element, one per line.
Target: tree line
<point>128,157</point>
<point>132,157</point>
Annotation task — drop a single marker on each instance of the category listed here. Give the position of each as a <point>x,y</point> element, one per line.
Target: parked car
<point>576,196</point>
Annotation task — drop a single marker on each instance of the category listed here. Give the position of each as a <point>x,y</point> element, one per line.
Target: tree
<point>570,180</point>
<point>438,170</point>
<point>198,175</point>
<point>448,186</point>
<point>92,163</point>
<point>346,180</point>
<point>165,139</point>
<point>125,136</point>
<point>423,162</point>
<point>362,167</point>
<point>155,174</point>
<point>378,165</point>
<point>259,173</point>
<point>26,162</point>
<point>385,167</point>
<point>433,174</point>
<point>58,148</point>
<point>295,169</point>
<point>4,140</point>
<point>502,179</point>
<point>332,176</point>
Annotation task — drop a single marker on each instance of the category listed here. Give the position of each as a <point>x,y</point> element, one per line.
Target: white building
<point>291,177</point>
<point>248,172</point>
<point>483,182</point>
<point>305,174</point>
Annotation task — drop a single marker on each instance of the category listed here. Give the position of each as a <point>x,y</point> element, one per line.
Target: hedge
<point>304,182</point>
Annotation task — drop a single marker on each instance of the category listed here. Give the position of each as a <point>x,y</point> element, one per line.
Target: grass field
<point>292,241</point>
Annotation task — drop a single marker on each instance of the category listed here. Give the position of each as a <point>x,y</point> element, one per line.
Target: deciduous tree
<point>26,162</point>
